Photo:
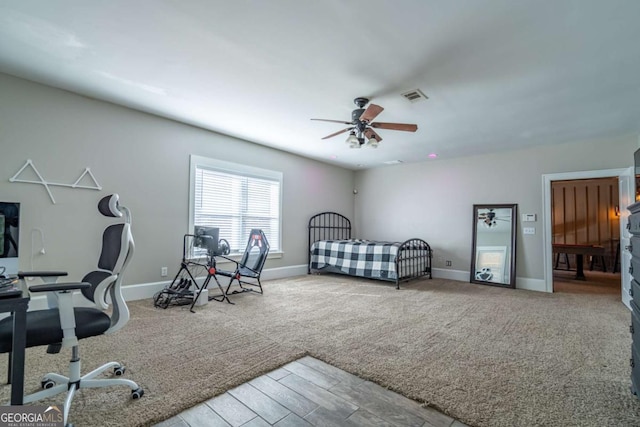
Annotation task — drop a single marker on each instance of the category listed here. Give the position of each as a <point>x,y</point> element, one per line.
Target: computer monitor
<point>207,238</point>
<point>9,237</point>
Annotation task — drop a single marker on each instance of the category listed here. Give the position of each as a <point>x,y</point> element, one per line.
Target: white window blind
<point>235,199</point>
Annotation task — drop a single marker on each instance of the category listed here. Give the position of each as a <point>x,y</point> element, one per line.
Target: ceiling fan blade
<point>370,133</point>
<point>371,112</point>
<point>337,133</point>
<point>333,121</point>
<point>395,126</point>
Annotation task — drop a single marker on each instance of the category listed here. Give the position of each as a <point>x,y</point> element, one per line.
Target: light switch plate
<point>529,230</point>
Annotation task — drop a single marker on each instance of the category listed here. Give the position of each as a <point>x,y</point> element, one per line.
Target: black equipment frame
<point>179,287</point>
<point>413,259</point>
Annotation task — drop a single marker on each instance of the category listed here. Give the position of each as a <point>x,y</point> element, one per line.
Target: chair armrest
<point>23,274</point>
<point>248,268</point>
<point>62,299</point>
<point>228,259</point>
<point>237,263</point>
<point>70,286</point>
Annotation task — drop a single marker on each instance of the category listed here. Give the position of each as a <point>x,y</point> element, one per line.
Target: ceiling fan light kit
<point>352,141</point>
<point>489,219</point>
<point>489,223</point>
<point>372,142</point>
<point>361,125</point>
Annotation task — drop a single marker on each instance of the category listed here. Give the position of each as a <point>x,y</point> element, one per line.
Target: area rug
<point>484,355</point>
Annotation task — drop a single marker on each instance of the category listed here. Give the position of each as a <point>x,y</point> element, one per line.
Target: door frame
<point>625,193</point>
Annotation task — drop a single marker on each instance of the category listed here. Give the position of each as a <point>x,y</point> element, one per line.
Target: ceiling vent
<point>415,95</point>
<point>393,162</point>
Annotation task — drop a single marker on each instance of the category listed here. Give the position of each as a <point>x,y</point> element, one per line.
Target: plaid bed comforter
<point>356,258</point>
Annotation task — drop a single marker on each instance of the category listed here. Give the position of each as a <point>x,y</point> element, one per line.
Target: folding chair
<point>250,265</point>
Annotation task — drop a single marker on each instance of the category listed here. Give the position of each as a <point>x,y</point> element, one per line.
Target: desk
<point>579,251</point>
<point>18,305</point>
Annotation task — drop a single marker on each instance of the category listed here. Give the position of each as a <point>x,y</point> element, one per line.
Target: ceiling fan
<point>361,125</point>
<point>489,218</point>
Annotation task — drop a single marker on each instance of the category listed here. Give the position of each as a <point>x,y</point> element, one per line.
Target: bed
<point>332,250</point>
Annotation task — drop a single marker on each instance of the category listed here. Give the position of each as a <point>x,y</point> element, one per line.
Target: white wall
<point>434,200</point>
<point>145,159</point>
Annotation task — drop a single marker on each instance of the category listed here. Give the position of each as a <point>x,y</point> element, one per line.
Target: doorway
<point>585,214</point>
<point>625,191</point>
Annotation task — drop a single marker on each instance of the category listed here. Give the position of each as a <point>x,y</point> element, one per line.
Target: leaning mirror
<point>493,257</point>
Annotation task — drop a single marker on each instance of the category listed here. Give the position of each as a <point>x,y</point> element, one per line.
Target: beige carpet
<point>485,355</point>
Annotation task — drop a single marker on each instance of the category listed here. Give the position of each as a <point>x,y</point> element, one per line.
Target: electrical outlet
<point>448,263</point>
<point>164,272</point>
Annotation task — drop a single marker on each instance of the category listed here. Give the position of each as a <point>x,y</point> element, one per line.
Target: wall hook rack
<point>76,184</point>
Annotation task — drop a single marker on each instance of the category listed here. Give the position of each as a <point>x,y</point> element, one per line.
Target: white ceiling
<point>499,74</point>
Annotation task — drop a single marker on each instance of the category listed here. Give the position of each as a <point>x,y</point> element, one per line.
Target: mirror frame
<point>512,255</point>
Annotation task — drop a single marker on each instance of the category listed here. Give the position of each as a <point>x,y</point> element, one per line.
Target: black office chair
<point>249,266</point>
<point>62,324</point>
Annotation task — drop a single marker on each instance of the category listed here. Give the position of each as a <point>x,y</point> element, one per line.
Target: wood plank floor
<point>309,392</point>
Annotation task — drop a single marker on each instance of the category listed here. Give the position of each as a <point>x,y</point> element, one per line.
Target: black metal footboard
<point>413,260</point>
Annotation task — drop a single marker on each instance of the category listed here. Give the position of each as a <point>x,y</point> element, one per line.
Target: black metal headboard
<point>328,226</point>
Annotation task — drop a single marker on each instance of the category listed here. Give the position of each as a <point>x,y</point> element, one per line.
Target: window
<point>235,198</point>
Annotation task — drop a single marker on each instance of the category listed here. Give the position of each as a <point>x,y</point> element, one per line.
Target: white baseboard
<point>142,291</point>
<point>463,276</point>
<point>530,284</point>
<point>283,272</point>
<point>446,273</point>
<point>147,290</point>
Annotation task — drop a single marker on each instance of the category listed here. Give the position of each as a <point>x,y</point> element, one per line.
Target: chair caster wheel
<point>137,394</point>
<point>47,383</point>
<point>119,371</point>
